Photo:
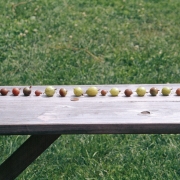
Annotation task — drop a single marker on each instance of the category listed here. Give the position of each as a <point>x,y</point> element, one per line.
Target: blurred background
<point>89,42</point>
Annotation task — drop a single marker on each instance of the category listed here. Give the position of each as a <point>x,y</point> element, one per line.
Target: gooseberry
<point>114,91</point>
<point>141,91</point>
<point>63,92</point>
<point>166,91</point>
<point>27,91</point>
<point>153,91</point>
<point>78,91</point>
<point>178,91</point>
<point>16,91</point>
<point>49,91</point>
<point>104,92</point>
<point>92,91</point>
<point>38,93</point>
<point>128,92</point>
<point>4,91</point>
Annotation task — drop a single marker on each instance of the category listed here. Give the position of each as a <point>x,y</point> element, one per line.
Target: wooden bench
<point>46,118</point>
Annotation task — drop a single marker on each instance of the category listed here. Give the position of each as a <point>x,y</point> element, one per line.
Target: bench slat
<point>60,115</point>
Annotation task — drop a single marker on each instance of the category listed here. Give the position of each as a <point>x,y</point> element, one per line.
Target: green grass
<point>77,157</point>
<point>93,42</point>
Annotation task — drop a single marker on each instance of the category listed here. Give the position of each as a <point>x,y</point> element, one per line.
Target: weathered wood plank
<point>25,155</point>
<point>56,115</point>
<point>93,129</point>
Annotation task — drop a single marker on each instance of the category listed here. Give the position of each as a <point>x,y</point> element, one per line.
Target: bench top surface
<point>101,114</point>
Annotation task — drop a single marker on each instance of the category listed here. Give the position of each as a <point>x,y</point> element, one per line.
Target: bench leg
<point>25,155</point>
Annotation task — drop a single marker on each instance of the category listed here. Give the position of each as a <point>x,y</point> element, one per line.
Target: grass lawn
<point>93,42</point>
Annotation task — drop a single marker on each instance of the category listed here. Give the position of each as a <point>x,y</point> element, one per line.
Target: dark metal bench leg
<point>25,155</point>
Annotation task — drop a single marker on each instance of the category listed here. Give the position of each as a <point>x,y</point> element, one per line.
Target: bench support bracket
<point>25,155</point>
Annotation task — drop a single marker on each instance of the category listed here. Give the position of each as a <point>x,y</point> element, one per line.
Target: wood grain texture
<point>25,155</point>
<point>90,115</point>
